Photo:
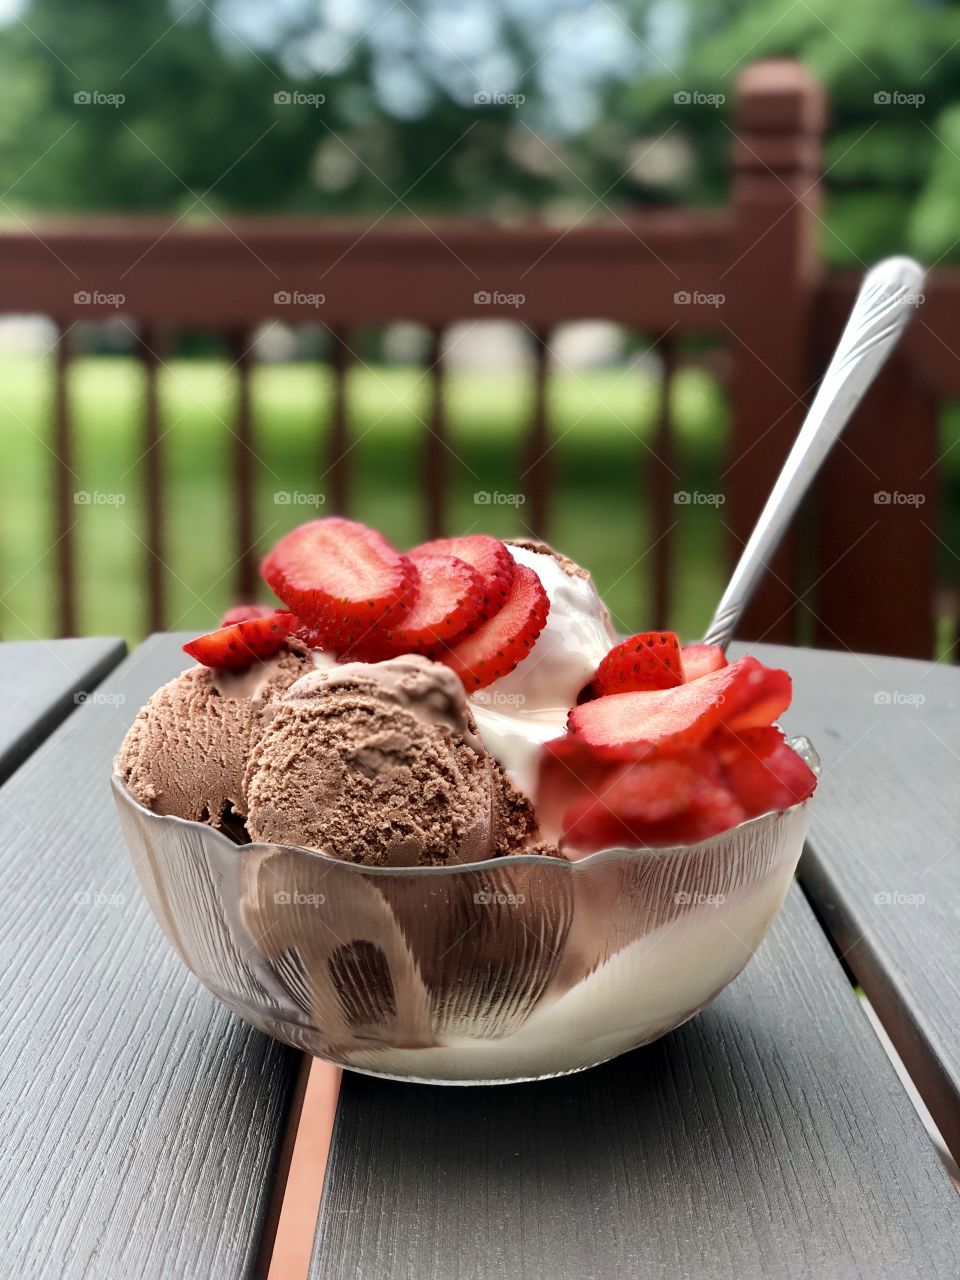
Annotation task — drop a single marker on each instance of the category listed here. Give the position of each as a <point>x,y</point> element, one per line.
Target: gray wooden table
<point>146,1130</point>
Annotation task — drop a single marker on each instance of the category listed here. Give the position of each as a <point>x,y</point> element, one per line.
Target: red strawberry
<point>668,718</point>
<point>243,643</point>
<point>654,802</point>
<point>488,556</point>
<point>700,659</point>
<point>759,699</point>
<point>503,640</point>
<point>448,601</point>
<point>650,660</point>
<point>568,771</point>
<point>244,612</point>
<point>341,578</point>
<point>761,770</point>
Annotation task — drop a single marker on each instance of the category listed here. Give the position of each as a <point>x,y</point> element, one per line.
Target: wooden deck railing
<point>777,322</point>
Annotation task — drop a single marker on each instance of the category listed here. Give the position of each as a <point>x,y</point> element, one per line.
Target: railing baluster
<point>436,471</point>
<point>338,447</point>
<point>151,355</point>
<point>243,468</point>
<point>538,470</point>
<point>64,478</point>
<point>662,476</point>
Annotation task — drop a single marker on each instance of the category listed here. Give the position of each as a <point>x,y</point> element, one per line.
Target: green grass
<point>602,424</point>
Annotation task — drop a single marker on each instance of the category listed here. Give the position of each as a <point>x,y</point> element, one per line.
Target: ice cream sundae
<point>432,818</point>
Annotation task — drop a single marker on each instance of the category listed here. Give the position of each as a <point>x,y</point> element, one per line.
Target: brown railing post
<point>876,546</point>
<point>538,472</point>
<point>436,469</point>
<point>768,290</point>
<point>151,354</point>
<point>64,489</point>
<point>338,445</point>
<point>661,476</point>
<point>243,468</point>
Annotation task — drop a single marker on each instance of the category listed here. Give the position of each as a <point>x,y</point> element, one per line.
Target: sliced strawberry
<point>243,643</point>
<point>650,660</point>
<point>759,699</point>
<point>503,640</point>
<point>700,659</point>
<point>667,718</point>
<point>655,802</point>
<point>488,556</point>
<point>761,769</point>
<point>244,612</point>
<point>448,601</point>
<point>341,578</point>
<point>569,771</point>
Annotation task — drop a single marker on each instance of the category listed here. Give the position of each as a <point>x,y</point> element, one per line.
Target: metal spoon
<point>890,291</point>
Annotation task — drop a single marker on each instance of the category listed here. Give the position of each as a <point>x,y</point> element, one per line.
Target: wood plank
<point>142,1122</point>
<point>769,1137</point>
<point>883,862</point>
<point>41,682</point>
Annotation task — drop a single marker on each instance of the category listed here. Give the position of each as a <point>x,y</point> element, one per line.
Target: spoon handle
<point>889,293</point>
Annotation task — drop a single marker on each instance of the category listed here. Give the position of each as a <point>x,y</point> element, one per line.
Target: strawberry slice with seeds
<point>502,641</point>
<point>664,718</point>
<point>343,579</point>
<point>739,695</point>
<point>700,659</point>
<point>243,643</point>
<point>448,601</point>
<point>650,660</point>
<point>488,556</point>
<point>244,612</point>
<point>761,769</point>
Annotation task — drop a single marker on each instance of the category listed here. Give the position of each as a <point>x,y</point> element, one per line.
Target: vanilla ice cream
<point>518,712</point>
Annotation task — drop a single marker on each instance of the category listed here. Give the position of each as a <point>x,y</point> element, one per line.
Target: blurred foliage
<point>201,131</point>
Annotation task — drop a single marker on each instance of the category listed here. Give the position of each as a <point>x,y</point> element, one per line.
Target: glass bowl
<point>512,969</point>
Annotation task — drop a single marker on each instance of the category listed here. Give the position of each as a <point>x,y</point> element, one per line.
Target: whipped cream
<point>528,707</point>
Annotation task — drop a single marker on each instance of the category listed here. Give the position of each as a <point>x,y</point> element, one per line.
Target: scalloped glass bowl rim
<point>801,745</point>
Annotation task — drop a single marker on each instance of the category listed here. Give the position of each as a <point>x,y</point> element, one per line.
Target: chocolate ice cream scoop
<point>380,763</point>
<point>187,749</point>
